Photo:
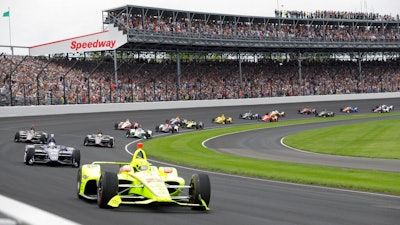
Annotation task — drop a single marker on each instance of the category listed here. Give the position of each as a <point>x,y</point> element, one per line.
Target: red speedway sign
<point>92,44</point>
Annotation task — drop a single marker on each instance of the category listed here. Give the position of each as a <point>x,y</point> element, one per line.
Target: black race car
<point>52,154</point>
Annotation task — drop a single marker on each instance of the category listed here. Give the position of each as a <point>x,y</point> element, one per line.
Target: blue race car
<point>349,109</point>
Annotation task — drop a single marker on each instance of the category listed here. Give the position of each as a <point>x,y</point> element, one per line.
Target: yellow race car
<point>139,183</point>
<point>222,119</point>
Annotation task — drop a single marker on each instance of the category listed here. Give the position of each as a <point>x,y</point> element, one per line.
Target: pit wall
<point>42,110</point>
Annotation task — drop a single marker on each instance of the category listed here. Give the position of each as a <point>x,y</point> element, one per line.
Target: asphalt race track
<point>266,144</point>
<point>234,200</point>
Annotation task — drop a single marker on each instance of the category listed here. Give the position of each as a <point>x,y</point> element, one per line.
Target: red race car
<point>273,116</point>
<point>307,111</point>
<point>125,125</point>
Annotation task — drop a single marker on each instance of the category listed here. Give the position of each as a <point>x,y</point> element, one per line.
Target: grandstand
<point>155,54</point>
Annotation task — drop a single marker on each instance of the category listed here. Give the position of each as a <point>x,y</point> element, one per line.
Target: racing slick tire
<point>157,129</point>
<point>200,190</point>
<point>107,188</point>
<point>110,143</point>
<point>43,139</point>
<point>76,158</point>
<point>116,126</point>
<point>86,141</point>
<point>199,125</point>
<point>16,137</point>
<point>78,183</point>
<point>30,156</point>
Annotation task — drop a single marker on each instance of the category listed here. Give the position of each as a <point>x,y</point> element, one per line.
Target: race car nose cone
<point>139,145</point>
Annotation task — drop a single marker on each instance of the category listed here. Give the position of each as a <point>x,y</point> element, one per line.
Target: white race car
<point>167,127</point>
<point>139,133</point>
<point>125,125</point>
<point>383,109</point>
<point>37,137</point>
<point>99,140</point>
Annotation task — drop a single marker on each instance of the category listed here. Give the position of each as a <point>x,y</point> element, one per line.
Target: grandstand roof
<point>127,39</point>
<point>144,40</point>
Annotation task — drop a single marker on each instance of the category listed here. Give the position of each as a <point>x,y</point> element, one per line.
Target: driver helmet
<point>51,139</point>
<point>140,164</point>
<point>52,145</point>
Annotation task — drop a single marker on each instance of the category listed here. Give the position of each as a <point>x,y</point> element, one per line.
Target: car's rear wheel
<point>107,189</point>
<point>111,143</point>
<point>76,158</point>
<point>43,139</point>
<point>86,141</point>
<point>147,135</point>
<point>16,137</point>
<point>200,190</point>
<point>30,156</point>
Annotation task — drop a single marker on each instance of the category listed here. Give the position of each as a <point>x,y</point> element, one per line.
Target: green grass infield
<point>187,149</point>
<point>376,139</point>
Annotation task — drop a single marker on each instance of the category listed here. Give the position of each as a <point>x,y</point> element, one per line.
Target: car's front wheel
<point>30,156</point>
<point>78,183</point>
<point>107,189</point>
<point>200,190</point>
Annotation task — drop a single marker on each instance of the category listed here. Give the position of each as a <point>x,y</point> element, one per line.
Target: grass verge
<point>186,149</point>
<point>376,139</point>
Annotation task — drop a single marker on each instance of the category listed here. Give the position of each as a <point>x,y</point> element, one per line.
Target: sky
<point>34,22</point>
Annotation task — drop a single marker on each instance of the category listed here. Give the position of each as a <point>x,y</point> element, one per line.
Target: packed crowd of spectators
<point>268,29</point>
<point>330,14</point>
<point>36,80</point>
<point>40,81</point>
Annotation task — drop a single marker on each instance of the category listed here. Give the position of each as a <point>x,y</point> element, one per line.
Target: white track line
<point>26,214</point>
